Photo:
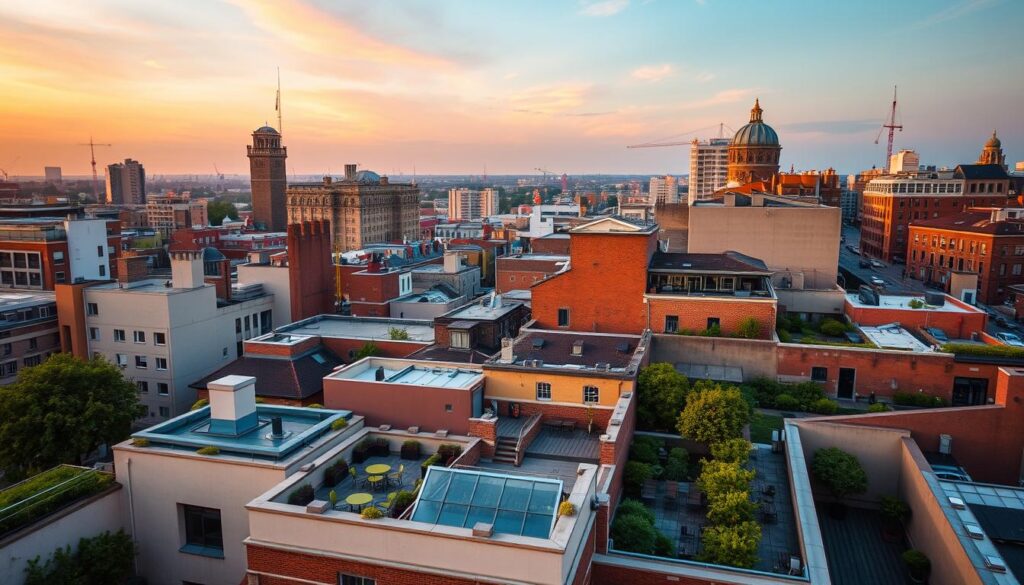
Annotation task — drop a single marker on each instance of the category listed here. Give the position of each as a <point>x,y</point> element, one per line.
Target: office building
<point>168,213</point>
<point>126,183</point>
<point>364,208</point>
<point>28,331</point>
<point>269,180</point>
<point>53,175</point>
<point>469,205</point>
<point>41,252</point>
<point>663,191</point>
<point>709,167</point>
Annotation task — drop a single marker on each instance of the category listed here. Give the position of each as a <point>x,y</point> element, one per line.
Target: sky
<point>474,86</point>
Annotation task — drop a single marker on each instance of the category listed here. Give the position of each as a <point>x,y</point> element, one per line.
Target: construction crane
<point>673,140</point>
<point>9,165</point>
<point>893,126</point>
<point>95,178</point>
<point>220,175</point>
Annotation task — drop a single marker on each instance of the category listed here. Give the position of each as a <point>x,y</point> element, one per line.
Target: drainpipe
<point>131,515</point>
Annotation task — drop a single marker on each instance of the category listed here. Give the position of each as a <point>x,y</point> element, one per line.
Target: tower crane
<point>893,126</point>
<point>9,165</point>
<point>220,175</point>
<point>673,140</point>
<point>95,178</point>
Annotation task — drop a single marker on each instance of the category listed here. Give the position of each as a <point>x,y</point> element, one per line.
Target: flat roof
<point>17,299</point>
<point>411,372</point>
<point>440,268</point>
<point>894,337</point>
<point>370,328</point>
<point>485,309</point>
<point>996,511</point>
<point>902,302</point>
<point>528,256</point>
<point>432,296</point>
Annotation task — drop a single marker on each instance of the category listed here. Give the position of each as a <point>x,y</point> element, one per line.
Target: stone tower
<point>269,180</point>
<point>992,153</point>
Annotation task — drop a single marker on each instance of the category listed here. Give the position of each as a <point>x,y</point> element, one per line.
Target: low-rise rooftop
<point>893,336</point>
<point>488,308</point>
<point>907,302</point>
<point>368,328</point>
<point>411,372</point>
<point>570,350</point>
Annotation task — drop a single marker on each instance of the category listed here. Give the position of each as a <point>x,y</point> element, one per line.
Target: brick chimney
<point>132,269</point>
<point>350,172</point>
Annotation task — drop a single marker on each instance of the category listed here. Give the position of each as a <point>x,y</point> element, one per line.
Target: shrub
<point>1008,351</point>
<point>566,508</point>
<point>380,448</point>
<point>631,507</point>
<point>361,452</point>
<point>398,334</point>
<point>634,476</point>
<point>403,500</point>
<point>749,328</point>
<point>916,304</point>
<point>661,396</point>
<point>735,546</point>
<point>841,472</point>
<point>411,449</point>
<point>663,546</point>
<point>920,399</point>
<point>335,473</point>
<point>878,407</point>
<point>371,513</point>
<point>367,350</point>
<point>301,495</point>
<point>645,449</point>
<point>784,336</point>
<point>315,405</point>
<point>106,558</point>
<point>806,393</point>
<point>729,508</point>
<point>434,459</point>
<point>732,451</point>
<point>713,331</point>
<point>199,404</point>
<point>449,452</point>
<point>677,465</point>
<point>208,450</point>
<point>918,563</point>
<point>786,402</point>
<point>713,414</point>
<point>895,509</point>
<point>719,477</point>
<point>633,533</point>
<point>339,424</point>
<point>764,391</point>
<point>832,328</point>
<point>332,497</point>
<point>824,406</point>
<point>140,442</point>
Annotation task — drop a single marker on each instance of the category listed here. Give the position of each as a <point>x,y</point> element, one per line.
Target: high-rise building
<point>468,205</point>
<point>754,152</point>
<point>126,183</point>
<point>269,180</point>
<point>53,174</point>
<point>363,208</point>
<point>709,167</point>
<point>664,190</point>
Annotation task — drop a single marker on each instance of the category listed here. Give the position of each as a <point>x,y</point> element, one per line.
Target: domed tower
<point>269,179</point>
<point>754,152</point>
<point>992,153</point>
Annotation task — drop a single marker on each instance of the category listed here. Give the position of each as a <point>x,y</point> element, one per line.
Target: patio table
<point>358,500</point>
<point>378,469</point>
<point>376,481</point>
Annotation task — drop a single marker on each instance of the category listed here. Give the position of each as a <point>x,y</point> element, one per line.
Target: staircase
<point>505,450</point>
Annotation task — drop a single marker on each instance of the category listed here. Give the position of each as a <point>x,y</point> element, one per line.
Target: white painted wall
<point>275,282</point>
<point>86,238</point>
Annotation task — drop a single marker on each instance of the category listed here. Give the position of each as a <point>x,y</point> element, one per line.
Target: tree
<point>750,328</point>
<point>62,410</point>
<point>398,334</point>
<point>369,349</point>
<point>714,413</point>
<point>840,472</point>
<point>613,201</point>
<point>719,477</point>
<point>735,545</point>
<point>218,209</point>
<point>729,508</point>
<point>732,451</point>
<point>661,396</point>
<point>634,475</point>
<point>103,559</point>
<point>633,533</point>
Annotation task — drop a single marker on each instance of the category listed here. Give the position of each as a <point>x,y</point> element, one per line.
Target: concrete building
<point>521,271</point>
<point>904,161</point>
<point>53,175</point>
<point>454,273</point>
<point>269,177</point>
<point>469,205</point>
<point>663,191</point>
<point>709,168</point>
<point>169,213</point>
<point>40,252</point>
<point>363,208</point>
<point>849,202</point>
<point>126,183</point>
<point>28,331</point>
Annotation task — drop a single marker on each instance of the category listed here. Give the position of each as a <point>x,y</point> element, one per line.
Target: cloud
<point>153,64</point>
<point>953,12</point>
<point>550,99</point>
<point>604,7</point>
<point>704,77</point>
<point>726,96</point>
<point>653,72</point>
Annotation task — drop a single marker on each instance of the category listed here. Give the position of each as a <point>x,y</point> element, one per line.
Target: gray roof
<point>756,134</point>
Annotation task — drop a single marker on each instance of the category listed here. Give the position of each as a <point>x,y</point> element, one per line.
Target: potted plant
<point>361,452</point>
<point>918,564</point>
<point>335,473</point>
<point>411,450</point>
<point>894,513</point>
<point>301,495</point>
<point>381,448</point>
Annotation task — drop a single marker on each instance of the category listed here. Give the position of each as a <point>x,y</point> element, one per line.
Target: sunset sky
<point>449,86</point>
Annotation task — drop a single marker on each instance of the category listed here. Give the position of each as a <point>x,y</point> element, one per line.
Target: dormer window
<point>458,339</point>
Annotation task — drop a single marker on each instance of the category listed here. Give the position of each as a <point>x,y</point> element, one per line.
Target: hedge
<point>1006,351</point>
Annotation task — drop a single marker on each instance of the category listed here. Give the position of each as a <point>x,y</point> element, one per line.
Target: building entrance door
<point>846,380</point>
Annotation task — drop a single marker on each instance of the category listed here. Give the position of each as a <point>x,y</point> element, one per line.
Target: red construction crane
<point>95,178</point>
<point>893,126</point>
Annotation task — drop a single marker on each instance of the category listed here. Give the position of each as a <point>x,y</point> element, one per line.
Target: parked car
<point>877,264</point>
<point>877,281</point>
<point>938,334</point>
<point>1009,338</point>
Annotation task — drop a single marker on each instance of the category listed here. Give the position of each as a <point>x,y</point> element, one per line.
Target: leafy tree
<point>732,451</point>
<point>729,508</point>
<point>735,545</point>
<point>398,334</point>
<point>714,413</point>
<point>661,396</point>
<point>719,477</point>
<point>832,328</point>
<point>840,472</point>
<point>369,349</point>
<point>677,465</point>
<point>218,209</point>
<point>62,410</point>
<point>634,475</point>
<point>631,507</point>
<point>750,328</point>
<point>645,449</point>
<point>100,560</point>
<point>613,201</point>
<point>634,533</point>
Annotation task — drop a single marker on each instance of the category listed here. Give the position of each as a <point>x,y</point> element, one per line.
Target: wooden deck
<point>576,446</point>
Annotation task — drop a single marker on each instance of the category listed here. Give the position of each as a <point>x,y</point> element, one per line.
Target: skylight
<point>513,505</point>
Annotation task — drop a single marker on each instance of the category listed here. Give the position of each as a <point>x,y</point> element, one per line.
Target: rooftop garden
<point>1003,351</point>
<point>40,495</point>
<point>828,331</point>
<point>749,328</point>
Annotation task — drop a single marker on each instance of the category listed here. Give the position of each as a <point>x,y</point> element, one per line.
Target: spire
<point>755,112</point>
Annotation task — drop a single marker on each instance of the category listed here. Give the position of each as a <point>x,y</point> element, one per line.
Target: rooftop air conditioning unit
<point>946,444</point>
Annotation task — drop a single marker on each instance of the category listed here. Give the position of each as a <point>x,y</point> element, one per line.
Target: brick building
<point>168,213</point>
<point>269,178</point>
<point>28,331</point>
<point>520,271</point>
<point>980,250</point>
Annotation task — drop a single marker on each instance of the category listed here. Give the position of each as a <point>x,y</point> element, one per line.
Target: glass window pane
<point>437,486</point>
<point>478,514</point>
<point>460,491</point>
<point>427,511</point>
<point>488,490</point>
<point>516,495</point>
<point>453,515</point>
<point>509,522</point>
<point>537,525</point>
<point>545,495</point>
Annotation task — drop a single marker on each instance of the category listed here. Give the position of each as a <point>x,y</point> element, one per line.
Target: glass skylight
<point>514,505</point>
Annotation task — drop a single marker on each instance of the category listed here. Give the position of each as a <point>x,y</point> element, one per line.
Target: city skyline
<point>400,87</point>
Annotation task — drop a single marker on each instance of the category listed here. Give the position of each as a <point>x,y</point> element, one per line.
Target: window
<point>59,276</point>
<point>671,323</point>
<point>543,391</point>
<point>33,343</point>
<point>202,526</point>
<point>224,352</point>
<point>141,362</point>
<point>344,579</point>
<point>140,336</point>
<point>119,335</point>
<point>143,386</point>
<point>459,339</point>
<point>161,363</point>
<point>91,309</point>
<point>103,270</point>
<point>819,374</point>
<point>714,322</point>
<point>58,257</point>
<point>591,394</point>
<point>8,348</point>
<point>159,338</point>
<point>33,360</point>
<point>563,317</point>
<point>165,412</point>
<point>162,389</point>
<point>10,368</point>
<point>121,359</point>
<point>94,334</point>
<point>99,251</point>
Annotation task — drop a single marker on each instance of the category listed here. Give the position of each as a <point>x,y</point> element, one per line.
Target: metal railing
<point>51,498</point>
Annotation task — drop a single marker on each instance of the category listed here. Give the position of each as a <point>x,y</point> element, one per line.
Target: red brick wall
<point>550,246</point>
<point>616,454</point>
<point>277,349</point>
<point>559,412</point>
<point>45,250</point>
<point>310,269</point>
<point>693,313</point>
<point>402,405</point>
<point>300,569</point>
<point>956,325</point>
<point>519,273</point>
<point>373,287</point>
<point>488,433</point>
<point>594,305</point>
<point>604,574</point>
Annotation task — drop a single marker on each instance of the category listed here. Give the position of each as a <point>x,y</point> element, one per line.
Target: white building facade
<point>709,167</point>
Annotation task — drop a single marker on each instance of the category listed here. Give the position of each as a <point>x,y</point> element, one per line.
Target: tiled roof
<point>732,262</point>
<point>281,378</point>
<point>982,172</point>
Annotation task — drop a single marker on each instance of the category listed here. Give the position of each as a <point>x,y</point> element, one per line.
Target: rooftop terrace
<point>893,337</point>
<point>369,328</point>
<point>411,372</point>
<point>903,302</point>
<point>48,492</point>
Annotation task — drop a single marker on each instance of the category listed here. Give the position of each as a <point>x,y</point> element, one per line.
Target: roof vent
<point>995,564</point>
<point>538,343</point>
<point>379,374</point>
<point>276,428</point>
<point>577,347</point>
<point>957,503</point>
<point>974,531</point>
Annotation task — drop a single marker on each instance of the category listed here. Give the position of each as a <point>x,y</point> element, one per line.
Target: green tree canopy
<point>100,560</point>
<point>661,396</point>
<point>713,413</point>
<point>62,410</point>
<point>734,545</point>
<point>719,477</point>
<point>218,209</point>
<point>840,472</point>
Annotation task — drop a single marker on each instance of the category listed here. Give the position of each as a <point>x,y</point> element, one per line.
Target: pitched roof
<point>731,262</point>
<point>982,172</point>
<point>281,378</point>
<point>974,222</point>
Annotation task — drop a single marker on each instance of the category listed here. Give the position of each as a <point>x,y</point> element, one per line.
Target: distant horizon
<point>450,90</point>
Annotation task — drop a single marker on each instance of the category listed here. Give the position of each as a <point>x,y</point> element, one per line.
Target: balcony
<point>735,286</point>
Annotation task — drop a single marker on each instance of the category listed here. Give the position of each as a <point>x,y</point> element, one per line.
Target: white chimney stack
<point>507,356</point>
<point>233,405</point>
<point>187,268</point>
